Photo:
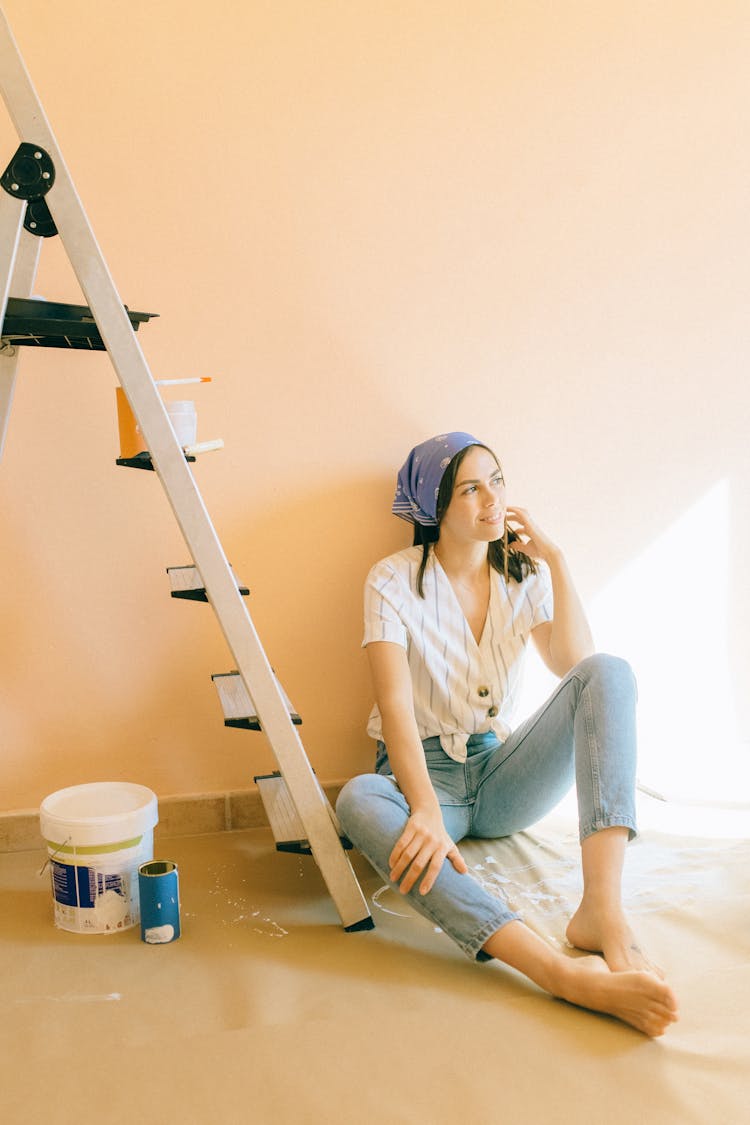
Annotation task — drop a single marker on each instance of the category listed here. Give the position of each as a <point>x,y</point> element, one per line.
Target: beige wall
<point>369,222</point>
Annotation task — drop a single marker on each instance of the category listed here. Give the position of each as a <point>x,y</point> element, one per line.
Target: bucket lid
<point>101,812</point>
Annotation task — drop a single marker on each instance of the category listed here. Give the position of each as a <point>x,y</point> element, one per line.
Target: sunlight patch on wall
<point>667,612</point>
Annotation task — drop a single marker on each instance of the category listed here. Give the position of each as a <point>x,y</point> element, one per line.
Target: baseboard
<point>186,815</point>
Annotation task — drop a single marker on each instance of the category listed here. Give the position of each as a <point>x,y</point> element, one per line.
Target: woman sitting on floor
<point>446,627</point>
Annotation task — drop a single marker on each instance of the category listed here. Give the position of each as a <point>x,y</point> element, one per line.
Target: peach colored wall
<point>369,222</point>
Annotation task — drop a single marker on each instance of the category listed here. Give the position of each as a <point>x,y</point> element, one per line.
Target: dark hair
<point>518,565</point>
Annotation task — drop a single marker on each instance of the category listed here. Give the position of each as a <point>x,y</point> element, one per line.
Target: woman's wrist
<point>554,557</point>
<point>423,803</point>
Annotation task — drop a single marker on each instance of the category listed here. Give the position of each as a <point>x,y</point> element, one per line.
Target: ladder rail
<point>177,480</point>
<point>20,251</point>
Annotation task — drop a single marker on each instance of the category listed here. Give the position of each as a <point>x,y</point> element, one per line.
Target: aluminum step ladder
<point>39,200</point>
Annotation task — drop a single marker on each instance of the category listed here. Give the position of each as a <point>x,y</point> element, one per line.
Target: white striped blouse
<point>460,687</point>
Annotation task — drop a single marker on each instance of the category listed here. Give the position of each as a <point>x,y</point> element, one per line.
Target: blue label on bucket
<point>81,886</point>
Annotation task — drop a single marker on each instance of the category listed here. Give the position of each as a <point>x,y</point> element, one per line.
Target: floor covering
<point>266,1011</point>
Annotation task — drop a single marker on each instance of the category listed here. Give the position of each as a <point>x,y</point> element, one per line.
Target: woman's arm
<point>566,640</point>
<point>424,843</point>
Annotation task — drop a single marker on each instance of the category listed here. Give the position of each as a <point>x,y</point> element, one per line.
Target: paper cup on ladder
<point>184,419</point>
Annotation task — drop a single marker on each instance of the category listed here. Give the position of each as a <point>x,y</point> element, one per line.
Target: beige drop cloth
<point>266,1011</point>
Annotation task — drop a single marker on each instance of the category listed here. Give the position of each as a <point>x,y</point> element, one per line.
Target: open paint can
<point>160,901</point>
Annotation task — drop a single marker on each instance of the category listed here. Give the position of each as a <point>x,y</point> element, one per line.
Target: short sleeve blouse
<point>459,687</point>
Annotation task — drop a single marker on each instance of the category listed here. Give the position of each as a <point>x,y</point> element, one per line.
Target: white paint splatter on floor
<point>252,916</point>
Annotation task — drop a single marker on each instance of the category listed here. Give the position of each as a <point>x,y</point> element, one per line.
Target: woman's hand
<point>422,847</point>
<point>424,844</point>
<point>531,539</point>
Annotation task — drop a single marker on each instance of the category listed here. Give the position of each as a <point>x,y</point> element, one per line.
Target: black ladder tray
<point>48,324</point>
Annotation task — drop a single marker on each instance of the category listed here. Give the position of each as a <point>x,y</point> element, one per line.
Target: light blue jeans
<point>584,733</point>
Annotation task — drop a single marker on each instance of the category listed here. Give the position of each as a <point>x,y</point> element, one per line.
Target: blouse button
<point>483,692</point>
<point>492,712</point>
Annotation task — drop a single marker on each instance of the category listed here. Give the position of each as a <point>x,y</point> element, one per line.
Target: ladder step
<point>288,830</point>
<point>186,583</point>
<point>237,703</point>
<point>143,461</point>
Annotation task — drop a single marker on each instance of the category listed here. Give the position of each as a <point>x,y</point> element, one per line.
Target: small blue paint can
<point>159,890</point>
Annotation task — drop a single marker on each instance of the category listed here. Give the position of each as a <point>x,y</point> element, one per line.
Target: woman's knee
<point>356,799</point>
<point>613,672</point>
<point>372,812</point>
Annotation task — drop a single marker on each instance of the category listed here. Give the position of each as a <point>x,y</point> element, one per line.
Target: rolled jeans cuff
<point>473,949</point>
<point>603,822</point>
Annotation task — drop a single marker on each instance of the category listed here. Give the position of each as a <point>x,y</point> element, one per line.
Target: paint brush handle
<point>183,382</point>
<point>204,446</point>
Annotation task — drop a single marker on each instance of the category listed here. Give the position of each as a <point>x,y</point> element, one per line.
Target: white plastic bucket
<point>97,837</point>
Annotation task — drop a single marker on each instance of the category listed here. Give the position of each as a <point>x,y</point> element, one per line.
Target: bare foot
<point>637,998</point>
<point>610,935</point>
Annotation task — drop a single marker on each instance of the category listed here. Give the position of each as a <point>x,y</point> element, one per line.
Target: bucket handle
<point>49,858</point>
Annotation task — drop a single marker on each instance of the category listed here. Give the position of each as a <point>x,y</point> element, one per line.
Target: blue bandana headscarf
<point>420,475</point>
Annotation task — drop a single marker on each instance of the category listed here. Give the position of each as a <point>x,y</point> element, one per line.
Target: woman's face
<point>476,510</point>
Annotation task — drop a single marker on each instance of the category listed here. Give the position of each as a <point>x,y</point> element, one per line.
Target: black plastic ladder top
<point>30,322</point>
